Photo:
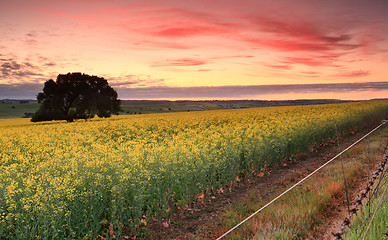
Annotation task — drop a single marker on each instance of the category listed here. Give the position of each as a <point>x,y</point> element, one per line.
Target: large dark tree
<point>76,96</point>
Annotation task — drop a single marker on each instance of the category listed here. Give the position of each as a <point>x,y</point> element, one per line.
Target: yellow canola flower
<point>61,180</point>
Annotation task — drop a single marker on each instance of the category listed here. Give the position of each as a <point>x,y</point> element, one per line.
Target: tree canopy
<point>76,96</point>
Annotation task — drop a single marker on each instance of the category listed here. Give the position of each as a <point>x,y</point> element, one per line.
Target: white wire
<point>296,184</point>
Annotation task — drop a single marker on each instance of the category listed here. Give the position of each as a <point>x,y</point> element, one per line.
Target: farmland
<point>18,108</point>
<point>96,177</point>
<point>316,209</point>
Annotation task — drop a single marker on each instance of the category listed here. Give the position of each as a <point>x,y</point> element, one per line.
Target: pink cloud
<point>233,56</point>
<point>165,24</point>
<point>304,29</point>
<point>292,44</point>
<point>313,62</point>
<point>310,73</point>
<point>152,45</point>
<point>289,45</point>
<point>359,73</point>
<point>134,81</point>
<point>185,62</point>
<point>188,30</point>
<point>174,21</point>
<point>283,67</point>
<point>298,34</point>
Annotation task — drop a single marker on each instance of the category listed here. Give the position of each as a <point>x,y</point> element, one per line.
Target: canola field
<point>91,179</point>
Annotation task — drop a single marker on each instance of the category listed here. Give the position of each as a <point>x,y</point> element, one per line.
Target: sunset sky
<point>199,49</point>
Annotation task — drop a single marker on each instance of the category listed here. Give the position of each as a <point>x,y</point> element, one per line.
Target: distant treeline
<point>18,101</point>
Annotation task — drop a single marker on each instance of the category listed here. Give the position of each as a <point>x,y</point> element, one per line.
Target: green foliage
<point>76,96</point>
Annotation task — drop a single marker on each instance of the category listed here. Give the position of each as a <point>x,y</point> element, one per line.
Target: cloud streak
<point>360,73</point>
<point>243,92</point>
<point>139,89</point>
<point>13,70</point>
<point>134,81</point>
<point>184,62</point>
<point>10,68</point>
<point>311,61</point>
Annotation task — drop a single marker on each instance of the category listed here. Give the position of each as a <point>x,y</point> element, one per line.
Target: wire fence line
<point>301,181</point>
<point>378,184</point>
<point>374,194</point>
<point>380,173</point>
<point>362,230</point>
<point>386,234</point>
<point>374,214</point>
<point>342,167</point>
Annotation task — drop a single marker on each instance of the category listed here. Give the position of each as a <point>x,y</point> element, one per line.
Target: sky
<point>199,49</point>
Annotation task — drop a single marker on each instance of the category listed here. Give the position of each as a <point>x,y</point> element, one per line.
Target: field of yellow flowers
<point>89,178</point>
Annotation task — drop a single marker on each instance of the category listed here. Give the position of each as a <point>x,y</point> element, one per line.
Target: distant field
<point>149,106</point>
<point>17,110</point>
<point>10,110</point>
<point>131,107</point>
<point>83,179</point>
<point>162,106</point>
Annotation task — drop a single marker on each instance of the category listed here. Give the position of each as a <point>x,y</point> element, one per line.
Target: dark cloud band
<point>29,91</point>
<point>238,92</point>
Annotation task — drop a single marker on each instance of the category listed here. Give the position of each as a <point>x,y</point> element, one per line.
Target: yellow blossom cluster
<point>82,179</point>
